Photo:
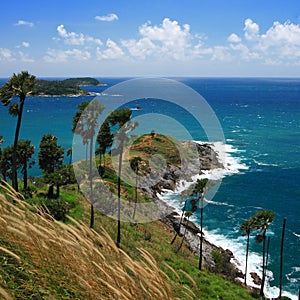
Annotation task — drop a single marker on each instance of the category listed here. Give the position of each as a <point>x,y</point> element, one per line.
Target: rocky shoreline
<point>208,161</point>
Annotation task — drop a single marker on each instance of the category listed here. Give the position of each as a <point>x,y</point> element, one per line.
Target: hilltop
<point>42,258</point>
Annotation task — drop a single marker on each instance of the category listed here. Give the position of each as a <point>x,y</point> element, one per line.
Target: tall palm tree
<point>85,122</point>
<point>199,190</point>
<point>281,257</point>
<point>187,214</point>
<point>121,117</point>
<point>19,85</point>
<point>135,163</point>
<point>263,219</point>
<point>247,227</point>
<point>185,195</point>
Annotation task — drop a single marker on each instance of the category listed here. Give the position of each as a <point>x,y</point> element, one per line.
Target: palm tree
<point>121,117</point>
<point>19,85</point>
<point>134,163</point>
<point>85,122</point>
<point>281,256</point>
<point>247,227</point>
<point>262,220</point>
<point>187,214</point>
<point>185,195</point>
<point>199,190</point>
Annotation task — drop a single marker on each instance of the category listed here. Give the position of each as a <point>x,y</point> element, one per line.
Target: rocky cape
<point>170,175</point>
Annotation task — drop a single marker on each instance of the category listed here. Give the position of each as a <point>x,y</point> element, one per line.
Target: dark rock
<point>256,278</point>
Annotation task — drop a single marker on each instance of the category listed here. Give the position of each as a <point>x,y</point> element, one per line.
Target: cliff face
<point>170,174</point>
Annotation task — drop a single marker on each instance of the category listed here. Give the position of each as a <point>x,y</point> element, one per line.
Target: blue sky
<point>151,38</point>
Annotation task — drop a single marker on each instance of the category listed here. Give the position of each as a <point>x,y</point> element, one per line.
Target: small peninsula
<point>66,87</point>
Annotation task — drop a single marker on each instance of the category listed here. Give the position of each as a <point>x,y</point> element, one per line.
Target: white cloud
<point>168,40</point>
<point>26,44</point>
<point>279,44</point>
<point>251,30</point>
<point>141,48</point>
<point>113,51</point>
<point>24,23</point>
<point>234,38</point>
<point>25,57</point>
<point>5,54</point>
<point>171,42</point>
<point>53,55</point>
<point>107,18</point>
<point>73,38</point>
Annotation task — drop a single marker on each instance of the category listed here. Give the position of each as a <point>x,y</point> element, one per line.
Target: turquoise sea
<point>260,118</point>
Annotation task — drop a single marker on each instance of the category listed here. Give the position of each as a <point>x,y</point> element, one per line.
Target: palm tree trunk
<point>14,154</point>
<point>247,253</point>
<point>201,233</point>
<point>184,233</point>
<point>180,222</point>
<point>263,266</point>
<point>267,256</point>
<point>281,258</point>
<point>119,195</point>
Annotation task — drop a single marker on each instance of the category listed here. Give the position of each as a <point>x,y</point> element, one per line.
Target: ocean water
<point>260,119</point>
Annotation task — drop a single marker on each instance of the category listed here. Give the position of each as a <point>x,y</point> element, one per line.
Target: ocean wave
<point>232,165</point>
<point>265,164</point>
<point>296,234</point>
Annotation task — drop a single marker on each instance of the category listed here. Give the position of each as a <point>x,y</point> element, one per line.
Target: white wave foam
<point>232,165</point>
<point>265,164</point>
<point>296,234</point>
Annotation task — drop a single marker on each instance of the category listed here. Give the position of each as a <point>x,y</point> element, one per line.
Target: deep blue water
<point>261,121</point>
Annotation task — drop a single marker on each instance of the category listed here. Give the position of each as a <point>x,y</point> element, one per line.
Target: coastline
<point>217,166</point>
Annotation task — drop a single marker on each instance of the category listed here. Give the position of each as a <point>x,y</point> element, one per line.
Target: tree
<point>187,214</point>
<point>247,227</point>
<point>5,162</point>
<point>281,256</point>
<point>51,157</point>
<point>134,164</point>
<point>121,118</point>
<point>24,161</point>
<point>262,220</point>
<point>78,124</point>
<point>20,85</point>
<point>200,189</point>
<point>85,122</point>
<point>104,140</point>
<point>185,195</point>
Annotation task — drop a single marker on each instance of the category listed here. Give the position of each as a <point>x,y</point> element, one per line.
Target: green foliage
<point>19,85</point>
<point>69,86</point>
<point>51,154</point>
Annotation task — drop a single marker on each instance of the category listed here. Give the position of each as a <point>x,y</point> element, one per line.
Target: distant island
<point>66,87</point>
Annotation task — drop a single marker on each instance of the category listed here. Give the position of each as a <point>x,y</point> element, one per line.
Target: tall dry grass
<point>73,257</point>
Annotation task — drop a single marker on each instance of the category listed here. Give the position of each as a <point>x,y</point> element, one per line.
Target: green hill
<point>41,258</point>
<point>69,86</point>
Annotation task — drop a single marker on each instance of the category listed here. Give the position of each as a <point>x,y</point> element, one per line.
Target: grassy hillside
<point>41,258</point>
